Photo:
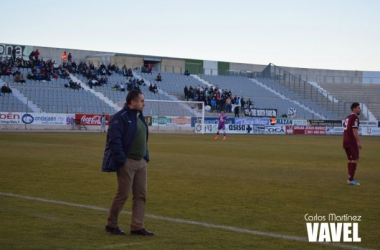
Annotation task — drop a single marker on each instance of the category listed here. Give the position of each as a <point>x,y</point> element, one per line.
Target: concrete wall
<point>247,67</point>
<point>194,66</point>
<point>371,77</point>
<point>326,75</point>
<point>210,67</point>
<point>173,65</point>
<point>56,53</point>
<point>129,61</point>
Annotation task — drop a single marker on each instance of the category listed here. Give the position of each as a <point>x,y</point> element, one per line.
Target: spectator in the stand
<point>159,78</point>
<point>31,56</point>
<point>129,85</point>
<point>242,102</point>
<point>65,74</point>
<point>14,54</point>
<point>125,71</point>
<point>187,72</point>
<point>116,86</point>
<point>236,100</point>
<point>213,104</point>
<point>103,80</point>
<point>73,85</point>
<point>141,82</point>
<point>136,87</point>
<point>153,88</point>
<point>36,54</point>
<point>223,101</point>
<point>6,89</point>
<point>122,87</point>
<point>186,92</point>
<point>70,57</point>
<point>130,73</point>
<point>228,104</point>
<point>150,67</point>
<point>19,78</point>
<point>56,65</point>
<point>236,111</point>
<point>64,58</point>
<point>218,100</point>
<point>93,82</point>
<point>250,104</point>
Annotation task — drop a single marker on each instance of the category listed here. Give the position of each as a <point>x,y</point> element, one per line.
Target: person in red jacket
<point>64,57</point>
<point>36,54</point>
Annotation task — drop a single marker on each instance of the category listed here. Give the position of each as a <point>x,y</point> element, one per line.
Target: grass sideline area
<point>262,183</point>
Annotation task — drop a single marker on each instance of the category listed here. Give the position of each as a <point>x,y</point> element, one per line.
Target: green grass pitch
<point>263,183</point>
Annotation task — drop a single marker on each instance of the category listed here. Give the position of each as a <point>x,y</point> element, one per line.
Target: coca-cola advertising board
<point>90,119</point>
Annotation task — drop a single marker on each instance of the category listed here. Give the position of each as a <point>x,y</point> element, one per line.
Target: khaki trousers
<point>132,175</point>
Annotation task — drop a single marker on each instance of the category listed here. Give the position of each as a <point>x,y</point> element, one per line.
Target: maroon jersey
<point>351,122</point>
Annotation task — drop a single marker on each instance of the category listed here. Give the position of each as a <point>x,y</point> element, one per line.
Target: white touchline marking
<point>181,221</point>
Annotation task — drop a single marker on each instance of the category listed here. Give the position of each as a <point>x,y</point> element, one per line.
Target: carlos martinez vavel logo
<point>333,228</point>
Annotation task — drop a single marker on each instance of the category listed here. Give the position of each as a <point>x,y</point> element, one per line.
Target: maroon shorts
<point>352,153</point>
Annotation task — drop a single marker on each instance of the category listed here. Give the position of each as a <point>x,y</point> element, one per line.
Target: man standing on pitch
<point>127,154</point>
<point>103,122</point>
<point>221,125</point>
<point>351,141</point>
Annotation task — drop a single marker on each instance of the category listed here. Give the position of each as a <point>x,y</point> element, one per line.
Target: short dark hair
<point>133,95</point>
<point>354,105</point>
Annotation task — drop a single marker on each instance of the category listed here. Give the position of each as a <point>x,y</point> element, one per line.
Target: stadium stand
<point>262,98</point>
<point>369,94</point>
<point>308,92</point>
<point>156,108</point>
<point>293,96</point>
<point>48,87</point>
<point>173,83</point>
<point>8,102</point>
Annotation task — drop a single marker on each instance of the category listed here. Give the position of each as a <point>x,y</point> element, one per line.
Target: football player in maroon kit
<point>351,141</point>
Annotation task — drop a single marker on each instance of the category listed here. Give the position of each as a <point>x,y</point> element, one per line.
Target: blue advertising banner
<point>253,121</point>
<point>210,120</point>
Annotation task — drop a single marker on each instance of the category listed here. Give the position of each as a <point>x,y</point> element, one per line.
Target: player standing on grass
<point>351,141</point>
<point>221,125</point>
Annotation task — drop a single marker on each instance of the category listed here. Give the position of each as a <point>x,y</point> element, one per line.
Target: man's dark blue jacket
<point>121,132</point>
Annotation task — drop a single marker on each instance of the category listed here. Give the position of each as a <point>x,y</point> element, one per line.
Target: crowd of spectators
<point>218,99</point>
<point>73,85</point>
<point>40,69</point>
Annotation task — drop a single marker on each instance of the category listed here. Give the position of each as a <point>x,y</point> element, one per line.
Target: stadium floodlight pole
<point>185,105</point>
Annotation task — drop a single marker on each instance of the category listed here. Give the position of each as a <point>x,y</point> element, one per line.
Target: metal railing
<point>307,91</point>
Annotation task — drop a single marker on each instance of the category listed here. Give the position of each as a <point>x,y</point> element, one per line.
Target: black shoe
<point>142,232</point>
<point>115,230</point>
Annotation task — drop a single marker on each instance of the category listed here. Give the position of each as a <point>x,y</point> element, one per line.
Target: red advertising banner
<point>90,119</point>
<point>289,130</point>
<point>299,130</point>
<point>315,130</point>
<point>307,130</point>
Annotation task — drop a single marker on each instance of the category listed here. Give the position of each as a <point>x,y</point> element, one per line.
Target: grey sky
<point>332,34</point>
